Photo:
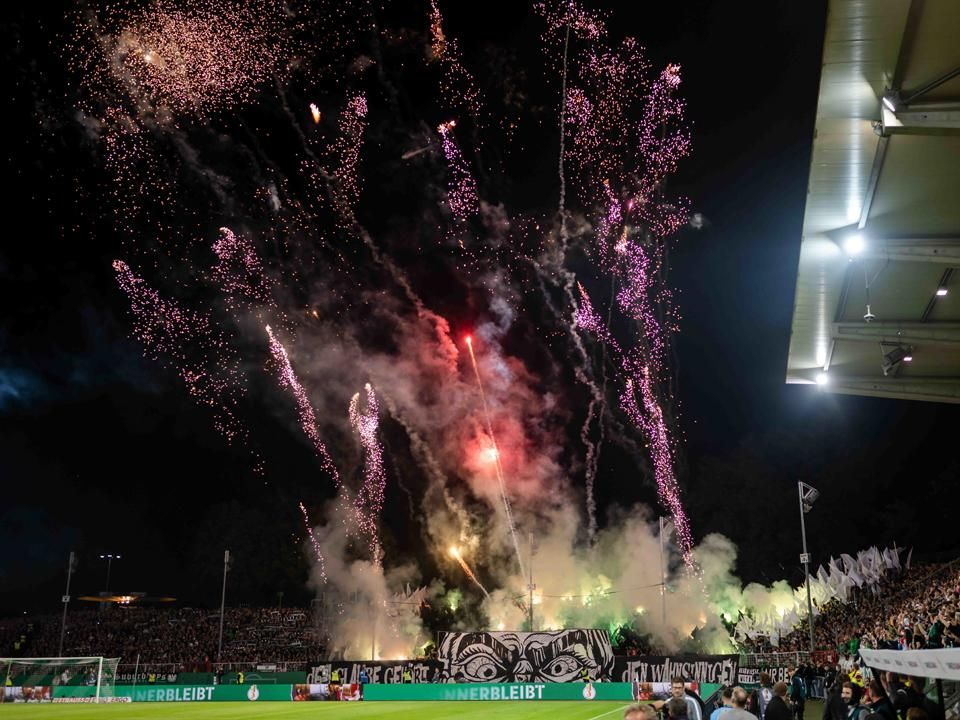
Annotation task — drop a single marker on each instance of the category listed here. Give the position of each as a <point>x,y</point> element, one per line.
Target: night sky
<point>102,450</point>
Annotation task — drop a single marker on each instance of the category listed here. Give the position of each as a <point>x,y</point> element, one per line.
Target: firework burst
<point>191,60</point>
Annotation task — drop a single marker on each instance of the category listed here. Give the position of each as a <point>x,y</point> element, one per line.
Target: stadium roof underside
<point>882,221</point>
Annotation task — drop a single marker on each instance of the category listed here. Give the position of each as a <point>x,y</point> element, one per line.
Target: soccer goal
<point>81,679</point>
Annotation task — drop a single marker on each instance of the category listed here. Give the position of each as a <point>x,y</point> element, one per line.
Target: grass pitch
<point>544,710</point>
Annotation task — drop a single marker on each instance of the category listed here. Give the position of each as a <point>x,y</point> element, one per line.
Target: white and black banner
<point>717,669</point>
<point>505,657</point>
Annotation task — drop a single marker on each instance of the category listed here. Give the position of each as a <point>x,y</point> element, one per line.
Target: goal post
<point>37,679</point>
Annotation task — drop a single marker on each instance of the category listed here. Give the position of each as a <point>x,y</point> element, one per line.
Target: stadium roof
<point>881,229</point>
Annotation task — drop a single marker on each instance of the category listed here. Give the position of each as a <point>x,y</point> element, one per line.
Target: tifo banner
<point>386,672</point>
<point>751,675</point>
<point>504,657</point>
<point>719,669</point>
<point>496,692</point>
<point>530,657</point>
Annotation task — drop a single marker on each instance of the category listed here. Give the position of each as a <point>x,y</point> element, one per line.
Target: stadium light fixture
<point>823,379</point>
<point>854,244</point>
<point>894,357</point>
<point>891,100</point>
<point>941,291</point>
<point>808,496</point>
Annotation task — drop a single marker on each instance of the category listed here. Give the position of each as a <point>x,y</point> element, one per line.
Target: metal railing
<point>778,659</point>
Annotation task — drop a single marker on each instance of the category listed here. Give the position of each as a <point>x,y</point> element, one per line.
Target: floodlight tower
<point>808,495</point>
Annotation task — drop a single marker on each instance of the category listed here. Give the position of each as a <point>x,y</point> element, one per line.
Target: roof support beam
<point>908,98</point>
<point>930,389</point>
<point>931,119</point>
<point>943,250</point>
<point>873,181</point>
<point>935,333</point>
<point>907,40</point>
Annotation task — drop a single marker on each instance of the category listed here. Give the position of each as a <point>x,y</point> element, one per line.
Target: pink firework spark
<point>607,92</point>
<point>649,420</point>
<point>317,551</point>
<point>308,420</point>
<point>201,355</point>
<point>610,223</point>
<point>345,152</point>
<point>209,56</point>
<point>239,272</point>
<point>563,14</point>
<point>457,86</point>
<point>638,298</point>
<point>369,501</point>
<point>461,187</point>
<point>621,164</point>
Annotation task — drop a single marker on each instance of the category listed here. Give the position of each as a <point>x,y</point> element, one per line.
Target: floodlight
<point>854,244</point>
<point>823,379</point>
<point>808,496</point>
<point>941,291</point>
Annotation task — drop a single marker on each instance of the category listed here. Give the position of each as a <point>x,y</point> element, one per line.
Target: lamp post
<point>530,586</point>
<point>223,600</point>
<point>71,565</point>
<point>663,576</point>
<point>109,557</point>
<point>808,495</point>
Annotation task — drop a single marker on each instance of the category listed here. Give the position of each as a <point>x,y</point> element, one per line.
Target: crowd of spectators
<point>919,608</point>
<point>185,637</point>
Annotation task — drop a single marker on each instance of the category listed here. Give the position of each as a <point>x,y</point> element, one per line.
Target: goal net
<point>80,679</point>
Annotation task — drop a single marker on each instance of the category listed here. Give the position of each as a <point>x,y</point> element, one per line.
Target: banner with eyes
<point>503,657</point>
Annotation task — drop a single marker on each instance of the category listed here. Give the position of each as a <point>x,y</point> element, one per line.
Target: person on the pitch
<point>640,712</point>
<point>677,709</point>
<point>678,690</point>
<point>364,679</point>
<point>798,692</point>
<point>726,699</point>
<point>778,708</point>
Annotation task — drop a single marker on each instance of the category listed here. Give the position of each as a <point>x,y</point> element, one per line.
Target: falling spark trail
<point>455,553</point>
<point>462,195</point>
<point>308,421</point>
<point>596,397</point>
<point>650,420</point>
<point>413,153</point>
<point>563,115</point>
<point>496,459</point>
<point>369,501</point>
<point>314,543</point>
